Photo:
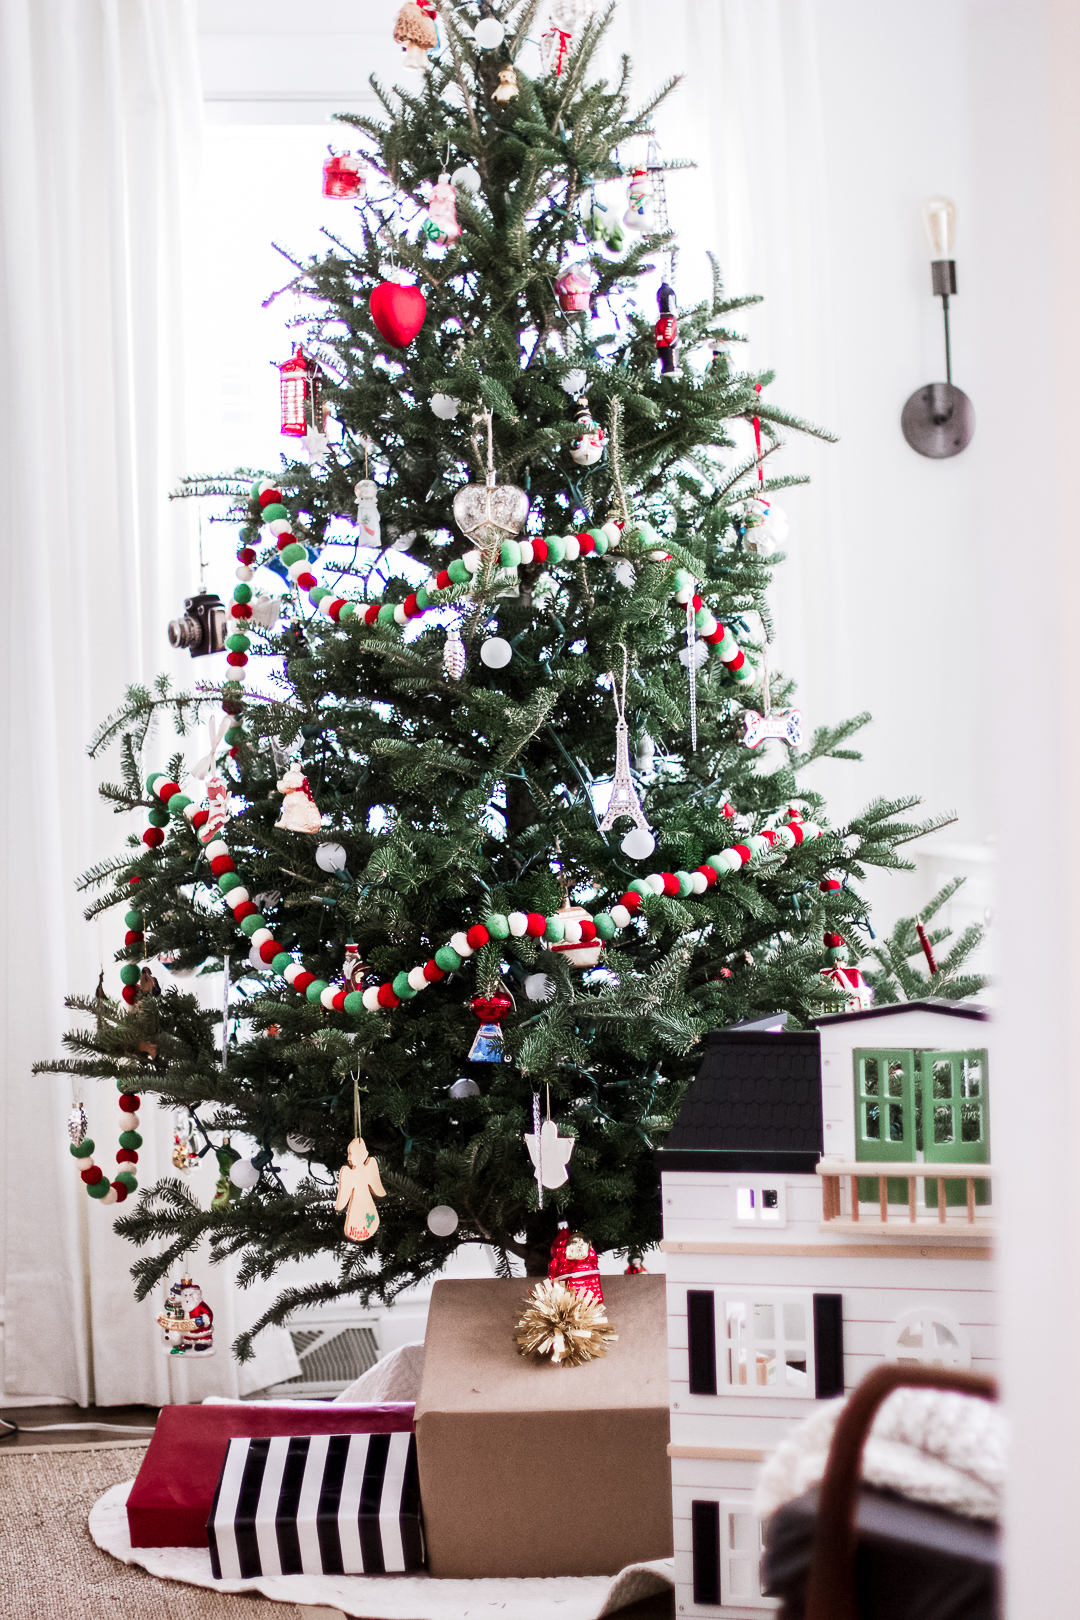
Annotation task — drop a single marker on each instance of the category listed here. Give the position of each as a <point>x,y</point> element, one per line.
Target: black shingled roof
<point>754,1105</point>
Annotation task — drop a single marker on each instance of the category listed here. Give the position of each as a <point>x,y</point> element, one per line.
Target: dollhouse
<point>826,1199</point>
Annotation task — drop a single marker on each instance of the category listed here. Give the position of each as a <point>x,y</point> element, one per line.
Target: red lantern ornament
<point>398,310</point>
<point>342,176</point>
<point>295,389</point>
<point>491,1011</point>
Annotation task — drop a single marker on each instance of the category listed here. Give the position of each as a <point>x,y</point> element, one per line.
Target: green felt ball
<point>715,862</point>
<point>249,924</point>
<point>684,580</point>
<point>648,536</point>
<point>238,643</point>
<point>509,553</point>
<point>130,1139</point>
<point>83,1149</point>
<point>234,736</point>
<point>702,617</point>
<point>242,593</point>
<point>281,961</point>
<point>447,958</point>
<point>158,818</point>
<point>556,548</point>
<point>347,611</point>
<point>602,542</point>
<point>402,988</point>
<point>317,592</point>
<point>386,614</point>
<point>423,600</point>
<point>133,919</point>
<point>99,1189</point>
<point>458,572</point>
<point>293,553</point>
<point>126,1179</point>
<point>155,776</point>
<point>129,974</point>
<point>639,886</point>
<point>354,1004</point>
<point>229,880</point>
<point>274,512</point>
<point>497,926</point>
<point>555,929</point>
<point>605,925</point>
<point>315,989</point>
<point>686,884</point>
<point>178,804</point>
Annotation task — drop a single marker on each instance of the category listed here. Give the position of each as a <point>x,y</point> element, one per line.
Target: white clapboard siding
<point>703,1207</point>
<point>731,1484</point>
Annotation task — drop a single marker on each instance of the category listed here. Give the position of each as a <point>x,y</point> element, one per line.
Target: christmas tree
<point>528,584</point>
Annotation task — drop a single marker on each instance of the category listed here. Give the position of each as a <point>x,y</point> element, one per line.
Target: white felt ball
<point>496,653</point>
<point>445,406</point>
<point>260,936</point>
<point>245,573</point>
<point>110,1197</point>
<point>243,1173</point>
<point>572,549</point>
<point>459,943</point>
<point>655,882</point>
<point>732,861</point>
<point>467,178</point>
<point>442,1220</point>
<point>638,844</point>
<point>293,971</point>
<point>278,526</point>
<point>538,987</point>
<point>371,998</point>
<point>330,857</point>
<point>236,897</point>
<point>255,960</point>
<point>526,550</point>
<point>620,916</point>
<point>189,813</point>
<point>416,979</point>
<point>299,1144</point>
<point>489,34</point>
<point>574,382</point>
<point>129,1122</point>
<point>400,616</point>
<point>298,568</point>
<point>216,848</point>
<point>327,997</point>
<point>472,561</point>
<point>464,1088</point>
<point>699,881</point>
<point>613,532</point>
<point>518,922</point>
<point>572,931</point>
<point>784,838</point>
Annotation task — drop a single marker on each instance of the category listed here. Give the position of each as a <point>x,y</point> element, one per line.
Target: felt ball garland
<point>92,1176</point>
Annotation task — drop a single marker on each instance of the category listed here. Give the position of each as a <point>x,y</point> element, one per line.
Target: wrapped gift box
<point>532,1469</point>
<point>341,1504</point>
<point>173,1491</point>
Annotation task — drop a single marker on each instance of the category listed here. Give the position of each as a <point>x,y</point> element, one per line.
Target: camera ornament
<point>573,289</point>
<point>416,33</point>
<point>187,1322</point>
<point>589,447</point>
<point>299,812</point>
<point>201,628</point>
<point>398,309</point>
<point>441,225</point>
<point>639,194</point>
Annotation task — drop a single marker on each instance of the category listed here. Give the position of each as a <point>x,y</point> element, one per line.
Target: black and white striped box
<point>325,1504</point>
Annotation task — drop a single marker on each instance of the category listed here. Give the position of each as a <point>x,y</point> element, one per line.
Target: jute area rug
<point>50,1568</point>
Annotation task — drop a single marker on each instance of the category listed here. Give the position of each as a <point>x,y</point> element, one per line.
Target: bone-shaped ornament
<point>783,724</point>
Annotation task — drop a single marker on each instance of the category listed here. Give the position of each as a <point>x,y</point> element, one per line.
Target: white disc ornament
<point>299,1144</point>
<point>445,406</point>
<point>638,844</point>
<point>330,857</point>
<point>442,1220</point>
<point>464,1088</point>
<point>489,33</point>
<point>453,656</point>
<point>467,178</point>
<point>255,958</point>
<point>243,1174</point>
<point>574,382</point>
<point>538,987</point>
<point>496,653</point>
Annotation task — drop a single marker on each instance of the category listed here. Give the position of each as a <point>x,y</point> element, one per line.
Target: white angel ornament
<point>359,1184</point>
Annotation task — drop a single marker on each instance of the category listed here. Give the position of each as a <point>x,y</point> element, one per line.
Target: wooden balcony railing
<point>834,1173</point>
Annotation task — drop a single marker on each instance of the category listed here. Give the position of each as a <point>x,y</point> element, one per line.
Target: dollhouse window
<point>767,1344</point>
<point>761,1202</point>
<point>929,1336</point>
<point>727,1549</point>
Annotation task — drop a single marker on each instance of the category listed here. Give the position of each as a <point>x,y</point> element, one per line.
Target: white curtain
<point>100,116</point>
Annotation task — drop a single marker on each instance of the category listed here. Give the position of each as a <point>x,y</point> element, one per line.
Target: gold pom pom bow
<point>570,1327</point>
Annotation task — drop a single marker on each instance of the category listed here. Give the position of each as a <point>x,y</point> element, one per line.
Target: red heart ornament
<point>398,311</point>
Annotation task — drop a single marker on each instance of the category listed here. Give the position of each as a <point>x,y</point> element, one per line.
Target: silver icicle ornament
<point>639,841</point>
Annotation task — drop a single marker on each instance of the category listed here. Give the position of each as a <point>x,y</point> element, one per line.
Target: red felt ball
<point>833,940</point>
<point>134,936</point>
<point>742,852</point>
<point>126,1156</point>
<point>409,604</point>
<point>477,936</point>
<point>234,753</point>
<point>697,603</point>
<point>443,581</point>
<point>631,900</point>
<point>371,614</point>
<point>165,790</point>
<point>222,863</point>
<point>306,582</point>
<point>120,1190</point>
<point>246,908</point>
<point>768,835</point>
<point>828,884</point>
<point>708,873</point>
<point>334,610</point>
<point>735,663</point>
<point>586,543</point>
<point>433,972</point>
<point>387,997</point>
<point>129,1102</point>
<point>715,635</point>
<point>285,538</point>
<point>200,818</point>
<point>796,831</point>
<point>671,883</point>
<point>269,949</point>
<point>302,980</point>
<point>588,930</point>
<point>152,837</point>
<point>91,1175</point>
<point>237,660</point>
<point>540,550</point>
<point>134,879</point>
<point>398,312</point>
<point>269,497</point>
<point>128,993</point>
<point>339,1001</point>
<point>536,925</point>
<point>246,555</point>
<point>239,610</point>
<point>232,705</point>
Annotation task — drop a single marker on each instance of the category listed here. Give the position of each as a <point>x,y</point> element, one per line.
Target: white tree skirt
<point>391,1597</point>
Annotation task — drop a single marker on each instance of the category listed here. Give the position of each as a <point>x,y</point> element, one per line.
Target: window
<point>727,1548</point>
<point>928,1105</point>
<point>930,1336</point>
<point>761,1202</point>
<point>767,1344</point>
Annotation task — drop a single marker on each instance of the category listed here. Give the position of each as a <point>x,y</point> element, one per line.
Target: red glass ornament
<point>492,1009</point>
<point>295,388</point>
<point>573,1262</point>
<point>342,176</point>
<point>398,312</point>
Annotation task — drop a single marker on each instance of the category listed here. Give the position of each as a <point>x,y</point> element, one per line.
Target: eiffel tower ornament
<point>639,842</point>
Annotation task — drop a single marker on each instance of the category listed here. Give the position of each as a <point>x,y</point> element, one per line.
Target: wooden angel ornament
<point>359,1184</point>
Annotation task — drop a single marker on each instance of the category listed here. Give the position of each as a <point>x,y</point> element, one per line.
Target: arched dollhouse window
<point>929,1335</point>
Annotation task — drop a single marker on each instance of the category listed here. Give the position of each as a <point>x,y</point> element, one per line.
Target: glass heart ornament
<point>490,513</point>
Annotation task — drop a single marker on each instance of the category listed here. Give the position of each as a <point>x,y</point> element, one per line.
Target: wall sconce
<point>939,419</point>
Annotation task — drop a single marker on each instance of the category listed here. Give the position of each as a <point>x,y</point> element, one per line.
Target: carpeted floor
<point>51,1570</point>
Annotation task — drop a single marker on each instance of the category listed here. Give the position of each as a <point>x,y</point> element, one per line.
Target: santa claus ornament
<point>299,812</point>
<point>573,1261</point>
<point>398,309</point>
<point>187,1322</point>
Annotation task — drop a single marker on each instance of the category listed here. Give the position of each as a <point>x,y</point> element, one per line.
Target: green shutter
<point>955,1090</point>
<point>884,1115</point>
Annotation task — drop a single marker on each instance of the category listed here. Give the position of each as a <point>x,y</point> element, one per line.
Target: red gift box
<point>173,1492</point>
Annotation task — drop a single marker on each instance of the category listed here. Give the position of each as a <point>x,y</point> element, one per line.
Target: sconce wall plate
<point>938,420</point>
